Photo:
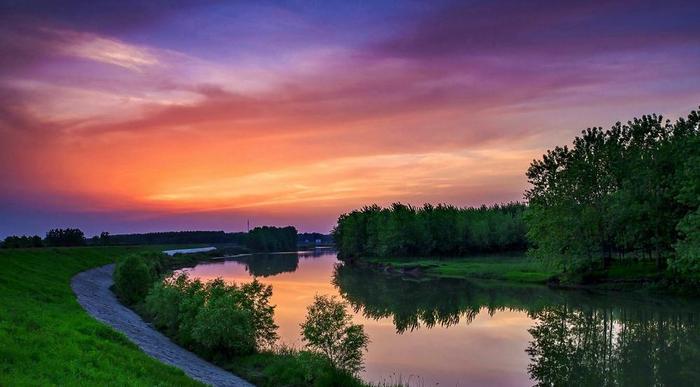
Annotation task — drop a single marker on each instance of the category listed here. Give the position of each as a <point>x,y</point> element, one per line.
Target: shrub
<point>135,274</point>
<point>132,279</point>
<point>257,300</point>
<point>290,367</point>
<point>163,307</point>
<point>214,318</point>
<point>328,330</point>
<point>223,326</point>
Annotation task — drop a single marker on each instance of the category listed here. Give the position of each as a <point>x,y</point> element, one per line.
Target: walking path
<point>92,290</point>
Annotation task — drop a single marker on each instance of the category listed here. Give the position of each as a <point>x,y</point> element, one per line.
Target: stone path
<point>92,290</point>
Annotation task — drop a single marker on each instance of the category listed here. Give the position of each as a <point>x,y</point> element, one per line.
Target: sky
<point>136,116</point>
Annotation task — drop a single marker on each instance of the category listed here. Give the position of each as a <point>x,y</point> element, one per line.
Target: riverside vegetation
<point>233,325</point>
<point>619,206</point>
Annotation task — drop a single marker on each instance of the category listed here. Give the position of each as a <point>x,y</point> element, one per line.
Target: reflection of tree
<point>579,338</point>
<point>613,346</point>
<point>415,303</point>
<point>265,265</point>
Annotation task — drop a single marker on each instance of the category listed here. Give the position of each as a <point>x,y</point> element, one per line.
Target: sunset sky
<point>137,116</point>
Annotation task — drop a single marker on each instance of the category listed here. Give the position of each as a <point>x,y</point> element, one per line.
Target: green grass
<point>290,367</point>
<point>633,270</point>
<point>513,268</point>
<point>47,339</point>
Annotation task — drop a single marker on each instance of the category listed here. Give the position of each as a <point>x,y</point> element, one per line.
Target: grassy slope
<point>46,338</point>
<point>515,268</point>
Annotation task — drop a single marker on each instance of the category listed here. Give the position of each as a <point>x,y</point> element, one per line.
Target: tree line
<point>630,192</point>
<point>406,231</point>
<point>54,237</point>
<point>173,238</point>
<point>267,238</point>
<point>264,238</point>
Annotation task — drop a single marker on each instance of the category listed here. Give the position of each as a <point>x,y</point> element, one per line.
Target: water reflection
<point>456,332</point>
<point>270,264</point>
<point>578,338</point>
<point>614,346</point>
<point>412,303</point>
<point>265,265</point>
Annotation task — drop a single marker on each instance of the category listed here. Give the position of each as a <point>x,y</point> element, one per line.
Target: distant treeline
<point>443,230</point>
<point>272,239</point>
<point>175,238</point>
<point>632,191</point>
<point>264,238</point>
<point>55,237</point>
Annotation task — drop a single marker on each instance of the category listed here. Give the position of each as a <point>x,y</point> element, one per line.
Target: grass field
<point>514,268</point>
<point>47,339</point>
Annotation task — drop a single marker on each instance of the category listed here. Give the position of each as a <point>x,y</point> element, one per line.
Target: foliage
<point>442,230</point>
<point>222,326</point>
<point>132,279</point>
<point>135,274</point>
<point>65,237</point>
<point>512,268</point>
<point>14,241</point>
<point>268,238</point>
<point>177,237</point>
<point>688,244</point>
<point>256,299</point>
<point>290,367</point>
<point>215,318</point>
<point>623,193</point>
<point>47,339</point>
<point>328,329</point>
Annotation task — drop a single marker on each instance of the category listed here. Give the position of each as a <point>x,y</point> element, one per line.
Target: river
<point>450,332</point>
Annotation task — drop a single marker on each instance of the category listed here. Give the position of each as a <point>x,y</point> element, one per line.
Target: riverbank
<point>46,338</point>
<point>520,269</point>
<point>512,267</point>
<point>92,289</point>
<point>268,366</point>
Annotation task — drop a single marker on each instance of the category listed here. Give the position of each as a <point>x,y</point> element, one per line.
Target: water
<point>464,333</point>
<point>189,251</point>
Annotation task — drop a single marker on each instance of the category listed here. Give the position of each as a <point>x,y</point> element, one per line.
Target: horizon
<point>136,118</point>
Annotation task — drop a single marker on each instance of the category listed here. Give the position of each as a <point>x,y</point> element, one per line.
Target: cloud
<point>167,114</point>
<point>553,29</point>
<point>109,51</point>
<point>381,177</point>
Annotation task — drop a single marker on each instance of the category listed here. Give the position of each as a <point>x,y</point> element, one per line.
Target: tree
<point>65,237</point>
<point>442,230</point>
<point>617,193</point>
<point>132,279</point>
<point>14,241</point>
<point>329,330</point>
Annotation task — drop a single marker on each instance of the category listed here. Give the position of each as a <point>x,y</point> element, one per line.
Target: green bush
<point>256,299</point>
<point>292,368</point>
<point>135,274</point>
<point>329,331</point>
<point>163,306</point>
<point>214,318</point>
<point>233,325</point>
<point>132,279</point>
<point>223,326</point>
